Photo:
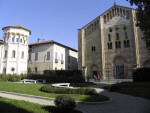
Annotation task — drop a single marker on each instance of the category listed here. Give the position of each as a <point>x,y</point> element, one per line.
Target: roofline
<point>105,12</point>
<point>17,27</point>
<point>51,41</point>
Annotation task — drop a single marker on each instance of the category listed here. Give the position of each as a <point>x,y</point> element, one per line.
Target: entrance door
<point>120,72</point>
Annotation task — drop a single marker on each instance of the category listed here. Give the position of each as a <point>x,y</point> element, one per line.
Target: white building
<point>51,55</point>
<point>14,50</point>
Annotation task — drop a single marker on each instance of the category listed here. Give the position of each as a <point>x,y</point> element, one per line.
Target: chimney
<point>39,40</point>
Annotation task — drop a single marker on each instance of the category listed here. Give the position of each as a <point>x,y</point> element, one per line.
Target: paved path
<point>30,98</point>
<point>120,103</point>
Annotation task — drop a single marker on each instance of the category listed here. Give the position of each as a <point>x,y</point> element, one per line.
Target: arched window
<point>20,40</point>
<point>117,36</point>
<point>124,28</point>
<point>126,36</point>
<point>13,39</point>
<point>110,29</point>
<point>109,37</point>
<point>128,43</point>
<point>107,17</point>
<point>22,54</point>
<point>13,53</point>
<point>104,18</point>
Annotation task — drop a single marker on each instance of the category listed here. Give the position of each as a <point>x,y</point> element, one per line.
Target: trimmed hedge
<point>65,103</point>
<point>82,91</point>
<point>141,75</point>
<point>71,76</point>
<point>11,78</point>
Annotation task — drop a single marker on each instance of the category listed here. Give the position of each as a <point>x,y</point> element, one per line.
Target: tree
<point>143,18</point>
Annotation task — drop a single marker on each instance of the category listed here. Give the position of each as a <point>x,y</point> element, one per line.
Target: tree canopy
<point>143,18</point>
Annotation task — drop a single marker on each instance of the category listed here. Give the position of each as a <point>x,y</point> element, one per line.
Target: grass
<point>17,106</point>
<point>139,89</point>
<point>34,89</point>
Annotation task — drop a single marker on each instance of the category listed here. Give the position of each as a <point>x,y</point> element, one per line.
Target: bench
<point>28,81</point>
<point>63,85</point>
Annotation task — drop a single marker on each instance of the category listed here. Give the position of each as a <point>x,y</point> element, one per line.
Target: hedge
<point>82,91</point>
<point>141,75</point>
<point>12,78</point>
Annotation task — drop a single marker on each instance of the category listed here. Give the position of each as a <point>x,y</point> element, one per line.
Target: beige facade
<point>111,45</point>
<point>51,55</point>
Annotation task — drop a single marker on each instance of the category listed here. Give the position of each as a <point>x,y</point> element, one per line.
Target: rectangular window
<point>17,39</point>
<point>13,39</point>
<point>36,56</point>
<point>29,56</point>
<point>55,55</point>
<point>13,53</point>
<point>117,36</point>
<point>22,55</point>
<point>62,57</point>
<point>5,54</point>
<point>68,59</point>
<point>48,55</point>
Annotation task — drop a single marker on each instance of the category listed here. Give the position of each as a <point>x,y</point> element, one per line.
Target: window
<point>126,36</point>
<point>117,28</point>
<point>104,18</point>
<point>35,70</point>
<point>20,40</point>
<point>124,28</point>
<point>93,48</point>
<point>110,29</point>
<point>109,45</point>
<point>13,39</point>
<point>126,44</point>
<point>55,55</point>
<point>22,55</point>
<point>36,56</point>
<point>13,53</point>
<point>24,41</point>
<point>48,55</point>
<point>29,56</point>
<point>68,59</point>
<point>109,37</point>
<point>118,44</point>
<point>17,39</point>
<point>4,39</point>
<point>5,54</point>
<point>117,36</point>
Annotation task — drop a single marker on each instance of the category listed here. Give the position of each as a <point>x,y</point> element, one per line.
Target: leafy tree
<point>143,18</point>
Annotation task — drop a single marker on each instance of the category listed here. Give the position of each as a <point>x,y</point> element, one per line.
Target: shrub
<point>114,88</point>
<point>3,77</point>
<point>12,78</point>
<point>83,91</point>
<point>141,75</point>
<point>65,103</point>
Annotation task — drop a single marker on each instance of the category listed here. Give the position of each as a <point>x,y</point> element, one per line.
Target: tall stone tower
<point>14,54</point>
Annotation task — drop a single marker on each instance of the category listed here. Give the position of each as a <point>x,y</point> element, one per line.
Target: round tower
<point>15,50</point>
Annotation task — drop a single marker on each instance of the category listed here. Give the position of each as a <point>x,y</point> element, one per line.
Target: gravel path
<point>120,103</point>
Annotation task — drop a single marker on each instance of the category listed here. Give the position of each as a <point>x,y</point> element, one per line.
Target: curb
<point>84,102</point>
<point>52,99</point>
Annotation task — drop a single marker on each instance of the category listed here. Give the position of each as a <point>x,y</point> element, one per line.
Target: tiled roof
<point>16,26</point>
<point>51,41</point>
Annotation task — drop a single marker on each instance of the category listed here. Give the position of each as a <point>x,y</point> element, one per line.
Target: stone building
<point>14,49</point>
<point>111,45</point>
<point>51,55</point>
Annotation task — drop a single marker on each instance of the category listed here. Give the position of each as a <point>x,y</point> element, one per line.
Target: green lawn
<point>33,89</point>
<point>17,106</point>
<point>139,89</point>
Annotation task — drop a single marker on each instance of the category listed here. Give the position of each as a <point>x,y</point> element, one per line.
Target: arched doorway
<point>147,63</point>
<point>119,67</point>
<point>94,71</point>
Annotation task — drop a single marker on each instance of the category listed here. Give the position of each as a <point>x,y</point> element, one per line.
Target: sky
<point>57,20</point>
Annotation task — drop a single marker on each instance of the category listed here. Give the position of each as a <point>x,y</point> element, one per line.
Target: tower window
<point>117,36</point>
<point>13,53</point>
<point>118,44</point>
<point>93,48</point>
<point>109,45</point>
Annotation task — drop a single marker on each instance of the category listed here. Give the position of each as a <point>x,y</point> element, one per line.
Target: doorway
<point>119,72</point>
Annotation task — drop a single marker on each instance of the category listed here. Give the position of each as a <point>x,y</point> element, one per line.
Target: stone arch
<point>119,67</point>
<point>146,63</point>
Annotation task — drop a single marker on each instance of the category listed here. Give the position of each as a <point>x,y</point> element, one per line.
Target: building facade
<point>111,45</point>
<point>51,55</point>
<point>14,50</point>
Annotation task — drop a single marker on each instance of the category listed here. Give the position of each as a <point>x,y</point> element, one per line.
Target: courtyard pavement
<point>120,103</point>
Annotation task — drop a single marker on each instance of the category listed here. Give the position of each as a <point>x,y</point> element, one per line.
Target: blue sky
<point>57,20</point>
